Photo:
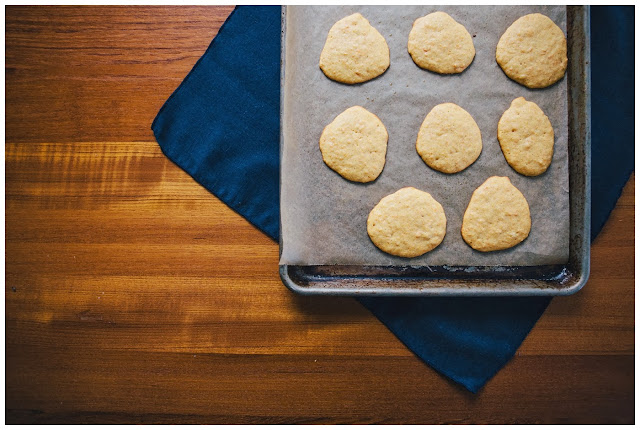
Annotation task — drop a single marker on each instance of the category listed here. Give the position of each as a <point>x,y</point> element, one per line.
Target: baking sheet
<point>323,216</point>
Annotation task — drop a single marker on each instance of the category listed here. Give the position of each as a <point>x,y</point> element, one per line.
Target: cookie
<point>354,51</point>
<point>449,139</point>
<point>439,43</point>
<point>407,223</point>
<point>497,216</point>
<point>354,145</point>
<point>526,137</point>
<point>533,51</point>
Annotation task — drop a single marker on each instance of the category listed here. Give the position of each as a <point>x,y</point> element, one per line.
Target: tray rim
<point>568,284</point>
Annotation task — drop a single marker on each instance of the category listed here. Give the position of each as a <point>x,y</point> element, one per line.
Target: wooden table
<point>135,296</point>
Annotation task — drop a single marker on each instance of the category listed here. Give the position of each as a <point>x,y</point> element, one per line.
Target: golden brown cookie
<point>354,144</point>
<point>497,216</point>
<point>526,137</point>
<point>354,51</point>
<point>439,43</point>
<point>407,223</point>
<point>533,51</point>
<point>449,139</point>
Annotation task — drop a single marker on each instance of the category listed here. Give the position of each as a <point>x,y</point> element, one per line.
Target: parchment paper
<point>324,217</point>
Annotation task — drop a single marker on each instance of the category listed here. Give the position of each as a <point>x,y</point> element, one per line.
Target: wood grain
<point>132,295</point>
<point>98,73</point>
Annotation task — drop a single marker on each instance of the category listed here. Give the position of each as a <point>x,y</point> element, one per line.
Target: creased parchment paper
<point>324,217</point>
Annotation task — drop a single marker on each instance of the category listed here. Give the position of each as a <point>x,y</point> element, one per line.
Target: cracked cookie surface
<point>449,139</point>
<point>354,145</point>
<point>438,43</point>
<point>407,223</point>
<point>354,51</point>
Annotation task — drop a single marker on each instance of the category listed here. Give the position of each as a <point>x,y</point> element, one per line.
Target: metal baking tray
<point>552,280</point>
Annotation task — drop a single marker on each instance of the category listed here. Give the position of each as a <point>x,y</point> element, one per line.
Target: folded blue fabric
<point>612,108</point>
<point>222,127</point>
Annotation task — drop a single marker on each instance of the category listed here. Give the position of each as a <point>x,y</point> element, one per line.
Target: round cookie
<point>440,44</point>
<point>533,51</point>
<point>526,137</point>
<point>497,216</point>
<point>354,51</point>
<point>354,144</point>
<point>449,139</point>
<point>407,223</point>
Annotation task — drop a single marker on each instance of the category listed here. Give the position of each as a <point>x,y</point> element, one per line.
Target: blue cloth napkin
<point>222,127</point>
